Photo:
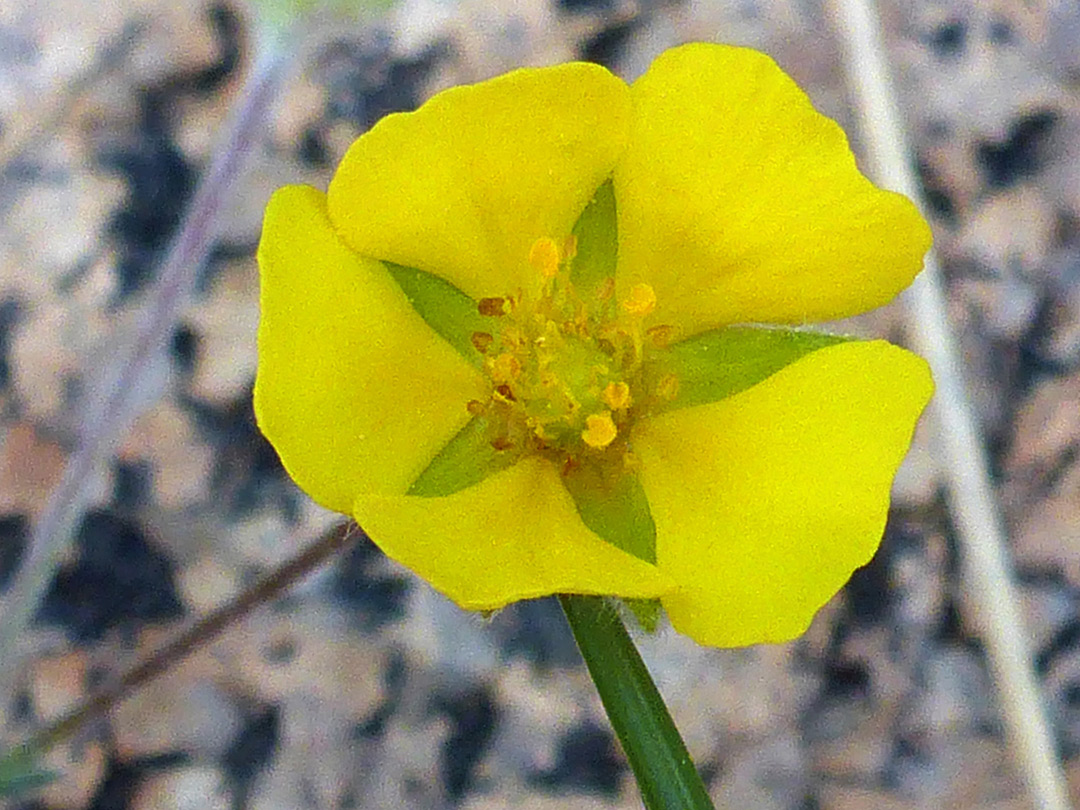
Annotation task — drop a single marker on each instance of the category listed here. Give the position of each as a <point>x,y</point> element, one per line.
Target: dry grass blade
<point>974,510</point>
<point>119,393</point>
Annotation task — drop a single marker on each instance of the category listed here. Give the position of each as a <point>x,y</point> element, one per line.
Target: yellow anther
<point>668,387</point>
<point>641,301</point>
<point>505,368</point>
<point>545,257</point>
<point>600,430</point>
<point>616,395</point>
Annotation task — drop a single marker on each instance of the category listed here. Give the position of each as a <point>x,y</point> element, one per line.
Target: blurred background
<point>363,688</point>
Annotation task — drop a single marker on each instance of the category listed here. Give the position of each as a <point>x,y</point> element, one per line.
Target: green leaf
<point>715,365</point>
<point>597,243</point>
<point>445,308</point>
<point>20,774</point>
<point>467,459</point>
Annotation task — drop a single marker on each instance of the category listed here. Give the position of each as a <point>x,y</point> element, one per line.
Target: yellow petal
<point>739,203</point>
<point>464,186</point>
<point>766,502</point>
<point>355,392</point>
<point>515,535</point>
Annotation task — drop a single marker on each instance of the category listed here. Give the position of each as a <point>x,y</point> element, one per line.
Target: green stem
<point>665,773</point>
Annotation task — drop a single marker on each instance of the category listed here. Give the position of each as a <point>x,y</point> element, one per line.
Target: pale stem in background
<point>986,567</point>
<point>121,391</point>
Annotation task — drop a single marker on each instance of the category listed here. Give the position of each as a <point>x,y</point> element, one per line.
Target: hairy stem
<point>657,754</point>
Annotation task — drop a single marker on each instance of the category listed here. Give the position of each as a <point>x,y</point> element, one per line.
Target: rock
<point>80,768</point>
<point>58,683</point>
<point>192,787</point>
<point>30,466</point>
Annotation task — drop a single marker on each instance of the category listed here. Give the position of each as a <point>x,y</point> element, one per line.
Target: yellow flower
<point>515,340</point>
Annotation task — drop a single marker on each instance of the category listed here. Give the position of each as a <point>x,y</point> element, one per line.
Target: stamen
<point>600,430</point>
<point>607,289</point>
<point>544,256</point>
<point>561,367</point>
<point>492,307</point>
<point>481,341</point>
<point>660,335</point>
<point>505,368</point>
<point>668,387</point>
<point>641,301</point>
<point>569,249</point>
<point>616,395</point>
<point>537,427</point>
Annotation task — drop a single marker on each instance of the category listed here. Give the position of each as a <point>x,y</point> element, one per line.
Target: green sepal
<point>646,612</point>
<point>714,365</point>
<point>20,774</point>
<point>445,308</point>
<point>466,460</point>
<point>612,504</point>
<point>597,243</point>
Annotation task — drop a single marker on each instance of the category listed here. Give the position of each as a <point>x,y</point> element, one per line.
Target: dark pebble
<point>394,678</point>
<point>184,349</point>
<point>536,630</point>
<point>846,680</point>
<point>160,179</point>
<point>947,40</point>
<point>1064,643</point>
<point>118,579</point>
<point>606,47</point>
<point>1021,154</point>
<point>372,597</point>
<point>312,149</point>
<point>247,471</point>
<point>252,749</point>
<point>473,716</point>
<point>122,779</point>
<point>1001,32</point>
<point>14,531</point>
<point>579,6</point>
<point>587,762</point>
<point>131,484</point>
<point>9,317</point>
<point>160,182</point>
<point>364,83</point>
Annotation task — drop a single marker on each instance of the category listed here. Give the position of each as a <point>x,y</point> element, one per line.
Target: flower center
<point>565,372</point>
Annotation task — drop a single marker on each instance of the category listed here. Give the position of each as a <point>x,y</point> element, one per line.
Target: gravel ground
<point>365,689</point>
